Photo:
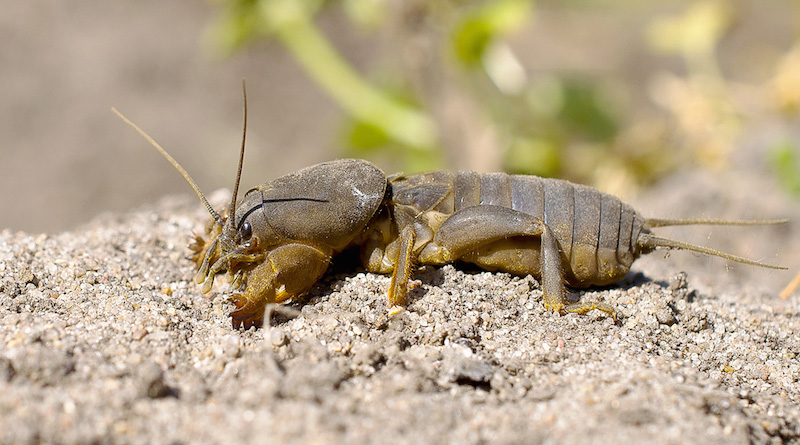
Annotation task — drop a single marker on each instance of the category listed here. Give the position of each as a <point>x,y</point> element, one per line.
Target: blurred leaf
<point>484,23</point>
<point>696,31</point>
<point>504,69</point>
<point>240,23</point>
<point>583,112</point>
<point>246,20</point>
<point>784,159</point>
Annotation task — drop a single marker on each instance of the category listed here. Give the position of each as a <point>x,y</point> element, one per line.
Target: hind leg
<point>464,234</point>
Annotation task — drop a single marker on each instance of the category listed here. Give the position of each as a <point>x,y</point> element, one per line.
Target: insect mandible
<point>280,238</point>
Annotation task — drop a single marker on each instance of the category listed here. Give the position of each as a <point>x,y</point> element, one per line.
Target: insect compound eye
<point>246,231</point>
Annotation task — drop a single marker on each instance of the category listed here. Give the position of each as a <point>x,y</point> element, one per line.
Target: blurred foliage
<point>787,165</point>
<point>450,89</point>
<point>477,27</point>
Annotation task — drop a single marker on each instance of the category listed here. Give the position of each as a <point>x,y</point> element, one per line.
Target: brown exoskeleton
<point>280,238</point>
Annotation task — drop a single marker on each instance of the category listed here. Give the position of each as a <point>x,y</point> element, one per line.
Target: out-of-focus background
<point>617,94</point>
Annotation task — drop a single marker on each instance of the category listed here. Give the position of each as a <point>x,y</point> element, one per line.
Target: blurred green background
<point>615,94</point>
<point>454,88</point>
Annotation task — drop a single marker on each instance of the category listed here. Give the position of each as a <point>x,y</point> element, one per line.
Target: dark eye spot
<point>246,231</point>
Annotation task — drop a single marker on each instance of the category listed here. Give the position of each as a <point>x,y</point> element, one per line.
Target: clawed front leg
<point>286,272</point>
<point>249,312</point>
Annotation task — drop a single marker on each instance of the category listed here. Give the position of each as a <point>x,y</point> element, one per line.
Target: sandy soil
<point>105,338</point>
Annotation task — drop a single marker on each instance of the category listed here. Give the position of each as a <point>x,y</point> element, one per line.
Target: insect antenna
<point>241,161</point>
<point>662,222</point>
<point>650,241</point>
<point>175,164</point>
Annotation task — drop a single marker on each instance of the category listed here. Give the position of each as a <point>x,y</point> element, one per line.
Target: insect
<point>280,238</point>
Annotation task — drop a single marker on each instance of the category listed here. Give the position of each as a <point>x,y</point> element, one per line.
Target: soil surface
<point>105,338</point>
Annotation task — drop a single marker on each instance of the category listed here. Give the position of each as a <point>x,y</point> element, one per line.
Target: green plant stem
<point>294,27</point>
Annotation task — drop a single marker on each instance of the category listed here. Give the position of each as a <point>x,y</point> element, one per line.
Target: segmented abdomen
<point>596,232</point>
